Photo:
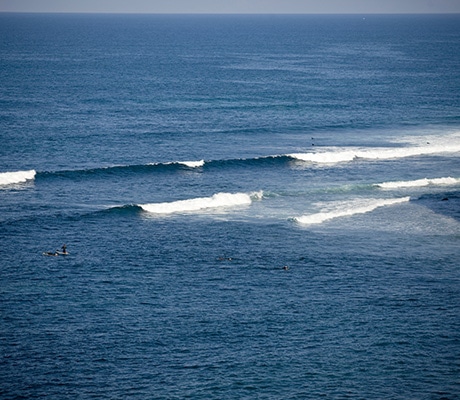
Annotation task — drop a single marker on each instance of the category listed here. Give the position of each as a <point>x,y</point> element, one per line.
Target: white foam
<point>345,209</point>
<point>218,200</point>
<point>192,164</point>
<point>326,157</point>
<point>334,155</point>
<point>9,178</point>
<point>418,183</point>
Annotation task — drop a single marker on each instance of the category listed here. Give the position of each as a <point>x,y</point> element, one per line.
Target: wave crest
<point>9,178</point>
<point>192,164</point>
<point>189,164</point>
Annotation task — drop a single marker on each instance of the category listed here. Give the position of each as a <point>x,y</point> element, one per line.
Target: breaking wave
<point>10,178</point>
<point>218,200</point>
<point>346,209</point>
<point>325,156</point>
<point>418,183</point>
<point>189,164</point>
<point>338,155</point>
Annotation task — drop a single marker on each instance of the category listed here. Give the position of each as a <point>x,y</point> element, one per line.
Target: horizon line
<point>224,13</point>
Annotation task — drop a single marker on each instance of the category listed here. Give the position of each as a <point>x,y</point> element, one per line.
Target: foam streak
<point>348,209</point>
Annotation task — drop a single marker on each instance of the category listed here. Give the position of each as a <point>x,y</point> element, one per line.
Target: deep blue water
<point>185,160</point>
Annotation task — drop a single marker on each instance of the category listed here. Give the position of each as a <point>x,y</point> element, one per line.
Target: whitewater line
<point>347,209</point>
<point>218,200</point>
<point>418,183</point>
<point>337,155</point>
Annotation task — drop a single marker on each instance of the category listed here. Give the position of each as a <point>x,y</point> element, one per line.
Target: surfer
<point>57,252</point>
<point>224,258</point>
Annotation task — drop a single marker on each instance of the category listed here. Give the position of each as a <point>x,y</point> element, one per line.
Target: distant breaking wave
<point>10,178</point>
<point>189,164</point>
<point>218,200</point>
<point>348,209</point>
<point>326,156</point>
<point>338,155</point>
<point>418,183</point>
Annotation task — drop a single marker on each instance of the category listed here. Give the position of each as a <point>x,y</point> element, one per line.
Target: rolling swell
<point>164,167</point>
<point>325,156</point>
<point>127,209</point>
<point>118,170</point>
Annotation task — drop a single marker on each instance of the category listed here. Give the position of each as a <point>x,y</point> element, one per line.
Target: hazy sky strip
<point>233,6</point>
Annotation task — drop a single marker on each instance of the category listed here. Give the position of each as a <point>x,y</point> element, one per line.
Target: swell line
<point>324,156</point>
<point>163,167</point>
<point>124,169</point>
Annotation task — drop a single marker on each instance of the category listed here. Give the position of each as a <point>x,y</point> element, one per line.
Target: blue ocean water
<point>253,206</point>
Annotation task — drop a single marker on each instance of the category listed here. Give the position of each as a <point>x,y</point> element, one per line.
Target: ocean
<point>254,206</point>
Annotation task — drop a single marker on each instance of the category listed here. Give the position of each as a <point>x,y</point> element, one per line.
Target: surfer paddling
<point>63,252</point>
